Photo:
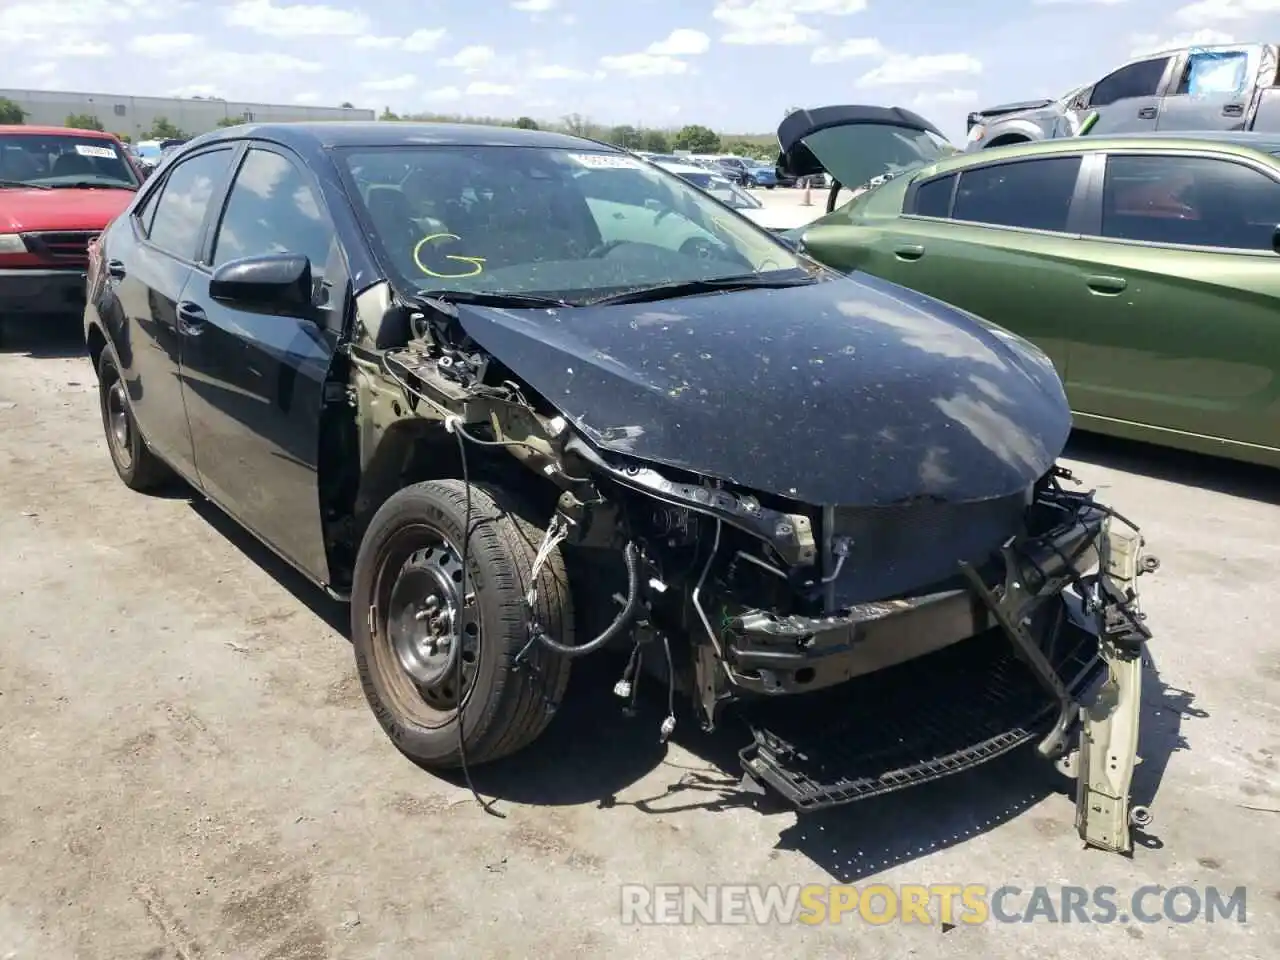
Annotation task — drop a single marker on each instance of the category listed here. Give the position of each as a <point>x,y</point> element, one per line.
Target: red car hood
<point>60,209</point>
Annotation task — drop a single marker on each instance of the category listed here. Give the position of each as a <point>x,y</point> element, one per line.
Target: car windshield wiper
<point>24,185</point>
<point>691,288</point>
<point>91,185</point>
<point>482,299</point>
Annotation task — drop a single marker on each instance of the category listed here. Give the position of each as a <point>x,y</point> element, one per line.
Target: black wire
<point>486,806</point>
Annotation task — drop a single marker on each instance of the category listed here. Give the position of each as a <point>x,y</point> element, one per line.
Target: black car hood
<point>847,391</point>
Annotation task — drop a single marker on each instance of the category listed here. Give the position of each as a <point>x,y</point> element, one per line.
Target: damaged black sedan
<point>521,397</point>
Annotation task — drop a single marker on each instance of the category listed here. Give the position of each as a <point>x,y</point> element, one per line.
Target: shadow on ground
<point>45,336</point>
<point>1220,475</point>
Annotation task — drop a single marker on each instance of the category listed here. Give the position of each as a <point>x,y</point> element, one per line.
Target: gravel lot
<point>191,770</point>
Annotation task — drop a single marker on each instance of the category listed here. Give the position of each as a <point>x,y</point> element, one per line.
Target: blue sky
<point>732,64</point>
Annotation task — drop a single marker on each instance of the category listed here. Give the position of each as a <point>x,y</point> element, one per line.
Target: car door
<point>1177,309</point>
<point>998,240</point>
<point>1212,89</point>
<point>150,274</point>
<point>1128,100</point>
<point>254,381</point>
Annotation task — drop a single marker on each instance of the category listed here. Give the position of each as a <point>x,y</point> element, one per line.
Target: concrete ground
<point>190,770</point>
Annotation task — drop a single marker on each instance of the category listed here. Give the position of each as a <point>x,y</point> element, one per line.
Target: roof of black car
<point>394,133</point>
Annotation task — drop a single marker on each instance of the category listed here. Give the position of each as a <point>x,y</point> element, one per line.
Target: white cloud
<point>405,81</point>
<point>33,20</point>
<point>79,48</point>
<point>236,75</point>
<point>46,69</point>
<point>1077,3</point>
<point>955,97</point>
<point>681,43</point>
<point>1145,43</point>
<point>533,6</point>
<point>1210,13</point>
<point>644,64</point>
<point>900,69</point>
<point>422,41</point>
<point>481,89</point>
<point>306,98</point>
<point>777,22</point>
<point>193,90</point>
<point>444,94</point>
<point>295,20</point>
<point>471,59</point>
<point>662,57</point>
<point>554,71</point>
<point>163,44</point>
<point>849,50</point>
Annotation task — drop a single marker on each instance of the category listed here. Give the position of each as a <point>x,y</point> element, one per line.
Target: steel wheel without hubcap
<point>420,594</point>
<point>119,430</point>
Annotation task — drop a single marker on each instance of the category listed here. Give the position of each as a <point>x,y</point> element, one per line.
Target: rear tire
<point>135,464</point>
<point>410,555</point>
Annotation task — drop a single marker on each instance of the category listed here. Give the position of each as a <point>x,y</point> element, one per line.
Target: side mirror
<point>273,283</point>
<point>654,205</point>
<point>1275,239</point>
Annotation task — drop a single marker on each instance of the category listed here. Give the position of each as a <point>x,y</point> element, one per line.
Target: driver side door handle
<point>908,251</point>
<point>191,318</point>
<point>1147,113</point>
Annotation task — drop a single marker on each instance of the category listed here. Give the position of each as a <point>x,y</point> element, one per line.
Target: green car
<point>1145,266</point>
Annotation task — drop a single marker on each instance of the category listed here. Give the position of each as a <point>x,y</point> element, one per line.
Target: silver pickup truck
<point>1228,87</point>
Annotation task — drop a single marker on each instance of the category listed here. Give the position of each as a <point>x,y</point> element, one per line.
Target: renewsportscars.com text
<point>927,904</point>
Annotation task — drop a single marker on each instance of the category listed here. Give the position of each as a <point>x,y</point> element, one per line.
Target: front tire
<point>407,599</point>
<point>135,464</point>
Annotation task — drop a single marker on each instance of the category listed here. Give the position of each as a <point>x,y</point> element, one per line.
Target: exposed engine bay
<point>747,601</point>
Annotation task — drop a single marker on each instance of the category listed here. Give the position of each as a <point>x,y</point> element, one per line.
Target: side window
<point>273,209</point>
<point>1030,194</point>
<point>1141,79</point>
<point>933,199</point>
<point>1190,201</point>
<point>147,210</point>
<point>183,202</point>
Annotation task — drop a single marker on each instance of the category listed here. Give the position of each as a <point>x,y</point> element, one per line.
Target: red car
<point>59,188</point>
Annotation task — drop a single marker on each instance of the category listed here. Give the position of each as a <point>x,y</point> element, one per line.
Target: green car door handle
<point>908,251</point>
<point>1107,286</point>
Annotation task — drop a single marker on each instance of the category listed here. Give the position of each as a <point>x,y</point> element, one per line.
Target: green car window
<point>1030,194</point>
<point>1190,201</point>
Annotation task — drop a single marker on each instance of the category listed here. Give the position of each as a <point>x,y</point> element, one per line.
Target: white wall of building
<point>135,115</point>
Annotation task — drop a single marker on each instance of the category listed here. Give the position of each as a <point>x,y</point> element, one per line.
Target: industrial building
<point>135,115</point>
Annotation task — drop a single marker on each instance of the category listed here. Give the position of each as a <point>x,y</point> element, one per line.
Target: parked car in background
<point>763,175</point>
<point>483,397</point>
<point>1145,267</point>
<point>59,188</point>
<point>734,197</point>
<point>1217,87</point>
<point>736,169</point>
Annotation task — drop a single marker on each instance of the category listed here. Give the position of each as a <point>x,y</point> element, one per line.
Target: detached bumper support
<point>1108,752</point>
<point>1108,744</point>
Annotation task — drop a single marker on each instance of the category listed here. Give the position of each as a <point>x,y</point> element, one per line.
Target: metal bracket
<point>1013,610</point>
<point>1108,750</point>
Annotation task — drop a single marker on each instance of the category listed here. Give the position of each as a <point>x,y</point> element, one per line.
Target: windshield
<point>63,160</point>
<point>857,153</point>
<point>572,225</point>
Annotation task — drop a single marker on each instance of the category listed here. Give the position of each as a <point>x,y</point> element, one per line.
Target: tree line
<point>693,137</point>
